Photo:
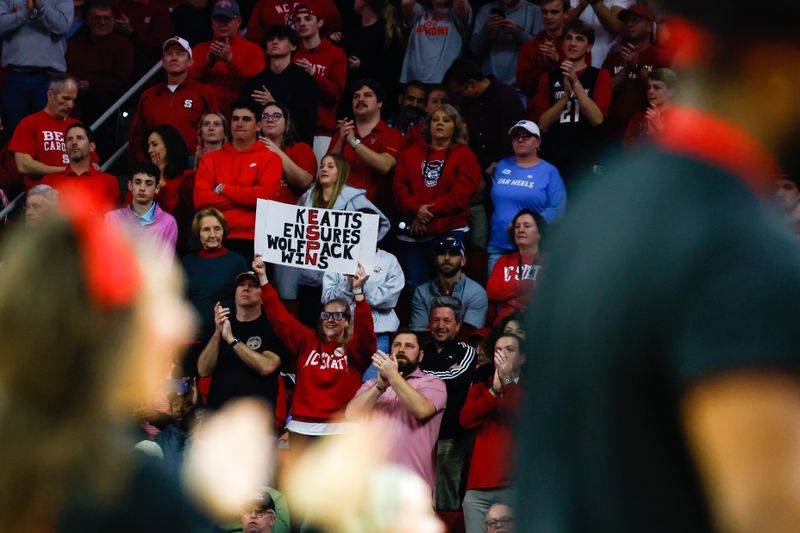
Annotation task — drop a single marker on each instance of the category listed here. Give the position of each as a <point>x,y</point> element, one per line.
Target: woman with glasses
<point>330,192</point>
<point>299,161</point>
<point>328,360</point>
<point>523,180</point>
<point>433,183</point>
<point>492,409</point>
<point>514,275</point>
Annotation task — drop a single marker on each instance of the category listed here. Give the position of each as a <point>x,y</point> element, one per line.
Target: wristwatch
<point>358,290</point>
<point>218,188</point>
<point>355,142</point>
<point>234,342</point>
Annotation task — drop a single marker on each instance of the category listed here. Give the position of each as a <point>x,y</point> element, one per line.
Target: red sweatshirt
<point>227,79</point>
<point>495,419</point>
<point>449,190</point>
<point>268,13</point>
<point>328,375</point>
<point>511,283</point>
<point>330,75</point>
<point>253,173</point>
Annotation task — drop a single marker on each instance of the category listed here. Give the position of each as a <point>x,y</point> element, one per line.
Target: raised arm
<point>288,329</point>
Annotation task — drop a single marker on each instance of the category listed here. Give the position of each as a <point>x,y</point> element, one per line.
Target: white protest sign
<point>314,238</point>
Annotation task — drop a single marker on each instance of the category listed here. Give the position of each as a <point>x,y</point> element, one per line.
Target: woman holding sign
<point>329,192</point>
<point>328,361</point>
<point>433,184</point>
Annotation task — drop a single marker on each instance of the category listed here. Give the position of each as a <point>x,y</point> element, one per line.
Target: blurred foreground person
<point>108,321</point>
<point>664,394</point>
<point>343,485</point>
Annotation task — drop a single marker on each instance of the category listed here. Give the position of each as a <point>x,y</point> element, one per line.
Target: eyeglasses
<point>495,522</point>
<point>336,315</point>
<point>522,136</point>
<point>274,117</point>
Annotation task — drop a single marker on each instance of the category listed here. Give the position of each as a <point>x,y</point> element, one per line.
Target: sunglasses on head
<point>449,245</point>
<point>336,315</point>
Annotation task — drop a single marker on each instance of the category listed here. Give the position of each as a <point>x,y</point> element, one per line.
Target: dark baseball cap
<point>449,244</point>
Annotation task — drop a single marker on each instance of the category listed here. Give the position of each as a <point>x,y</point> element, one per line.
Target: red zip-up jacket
<point>449,190</point>
<point>328,375</point>
<point>253,173</point>
<point>330,75</point>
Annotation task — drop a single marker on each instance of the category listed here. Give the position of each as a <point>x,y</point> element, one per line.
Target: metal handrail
<point>116,155</point>
<point>122,99</point>
<point>10,206</point>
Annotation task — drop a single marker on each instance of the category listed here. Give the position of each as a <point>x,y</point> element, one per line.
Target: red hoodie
<point>449,190</point>
<point>328,375</point>
<point>253,173</point>
<point>330,75</point>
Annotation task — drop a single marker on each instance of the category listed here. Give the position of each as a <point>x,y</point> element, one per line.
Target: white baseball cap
<point>527,125</point>
<point>180,41</point>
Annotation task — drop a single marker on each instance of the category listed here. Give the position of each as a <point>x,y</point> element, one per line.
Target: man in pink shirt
<point>412,401</point>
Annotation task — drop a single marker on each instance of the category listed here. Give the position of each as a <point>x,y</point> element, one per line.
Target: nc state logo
<point>187,103</point>
<point>432,171</point>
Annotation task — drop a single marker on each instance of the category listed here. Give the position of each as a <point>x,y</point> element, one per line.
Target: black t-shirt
<point>665,271</point>
<point>232,378</point>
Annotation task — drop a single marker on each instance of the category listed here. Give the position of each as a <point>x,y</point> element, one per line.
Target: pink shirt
<point>413,441</point>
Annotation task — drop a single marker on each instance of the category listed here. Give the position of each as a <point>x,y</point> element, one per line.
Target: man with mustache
<point>369,144</point>
<point>412,400</point>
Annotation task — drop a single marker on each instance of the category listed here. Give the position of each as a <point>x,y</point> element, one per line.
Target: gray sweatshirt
<point>35,40</point>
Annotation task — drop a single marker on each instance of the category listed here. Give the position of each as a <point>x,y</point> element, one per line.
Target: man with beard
<point>103,188</point>
<point>412,107</point>
<point>450,281</point>
<point>664,395</point>
<point>412,400</point>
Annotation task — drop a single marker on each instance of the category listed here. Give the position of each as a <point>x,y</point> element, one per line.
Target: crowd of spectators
<point>463,126</point>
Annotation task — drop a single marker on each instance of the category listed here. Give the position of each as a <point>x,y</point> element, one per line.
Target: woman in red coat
<point>433,183</point>
<point>328,361</point>
<point>492,408</point>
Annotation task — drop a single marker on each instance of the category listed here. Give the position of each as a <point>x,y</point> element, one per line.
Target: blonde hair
<point>460,135</point>
<point>342,174</point>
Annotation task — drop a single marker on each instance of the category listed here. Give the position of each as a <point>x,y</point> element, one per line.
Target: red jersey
<point>268,13</point>
<point>330,75</point>
<point>227,79</point>
<point>328,375</point>
<point>446,178</point>
<point>382,139</point>
<point>303,156</point>
<point>99,185</point>
<point>42,137</point>
<point>181,109</point>
<point>253,173</point>
<point>511,283</point>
